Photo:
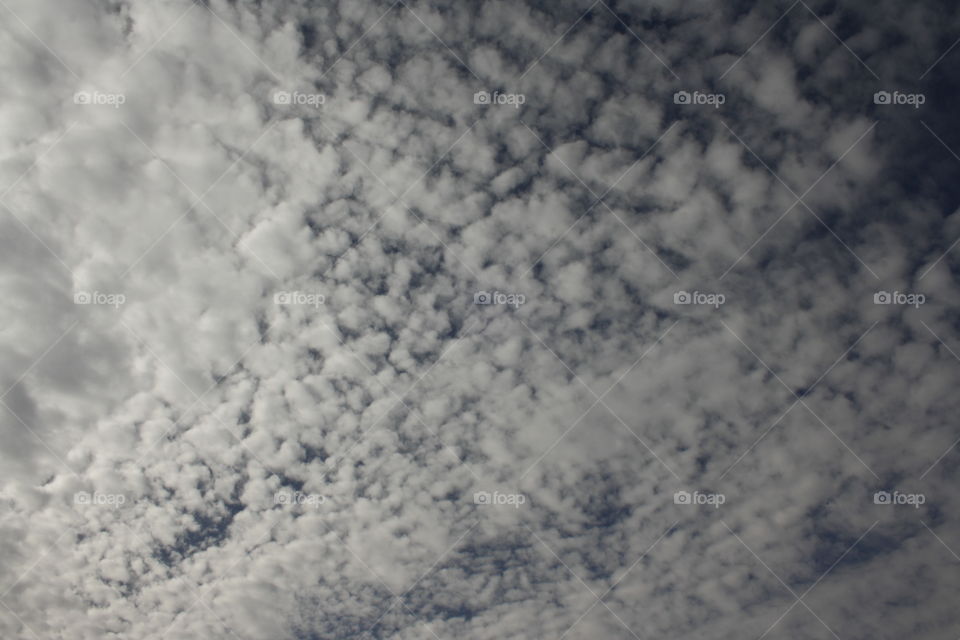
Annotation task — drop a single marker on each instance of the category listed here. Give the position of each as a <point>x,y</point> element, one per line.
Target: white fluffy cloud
<point>248,390</point>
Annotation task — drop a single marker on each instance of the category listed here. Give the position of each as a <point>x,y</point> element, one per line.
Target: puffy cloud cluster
<point>432,319</point>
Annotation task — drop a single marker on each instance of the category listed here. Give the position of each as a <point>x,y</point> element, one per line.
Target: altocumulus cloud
<point>481,320</point>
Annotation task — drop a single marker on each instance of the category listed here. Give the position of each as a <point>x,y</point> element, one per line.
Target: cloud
<point>307,338</point>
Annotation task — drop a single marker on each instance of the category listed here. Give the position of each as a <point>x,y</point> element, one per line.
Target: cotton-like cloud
<point>305,338</point>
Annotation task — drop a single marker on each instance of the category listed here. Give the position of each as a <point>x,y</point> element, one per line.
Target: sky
<point>425,319</point>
